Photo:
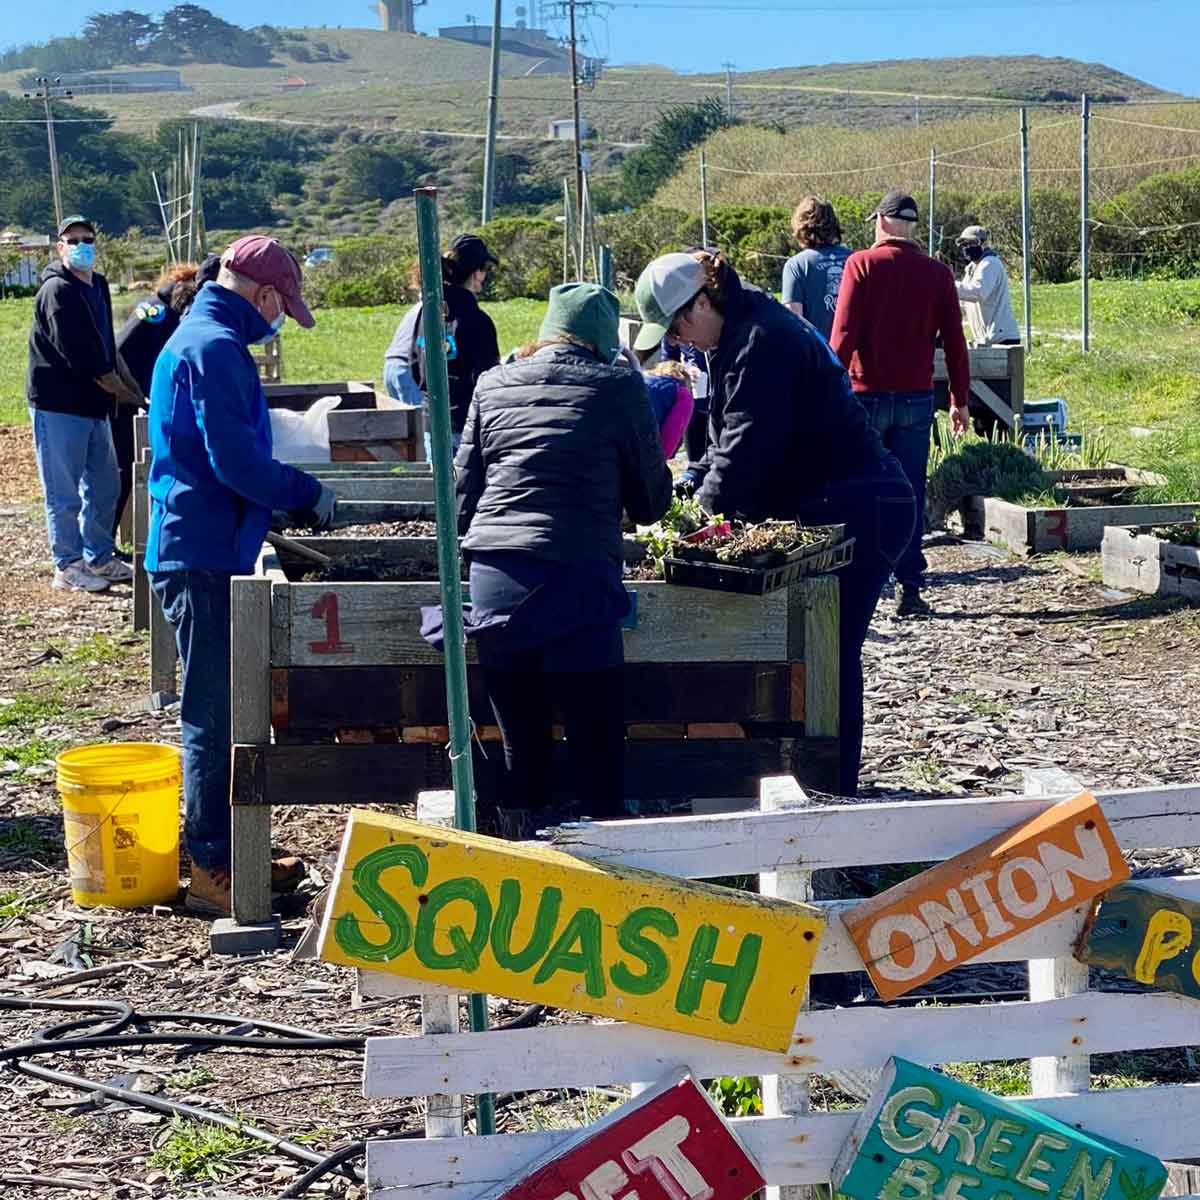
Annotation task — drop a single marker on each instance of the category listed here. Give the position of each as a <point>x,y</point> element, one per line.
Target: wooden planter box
<point>376,435</point>
<point>1095,505</point>
<point>338,700</point>
<point>1133,558</point>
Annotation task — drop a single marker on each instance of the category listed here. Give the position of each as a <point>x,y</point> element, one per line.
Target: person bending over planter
<point>788,440</point>
<point>558,441</point>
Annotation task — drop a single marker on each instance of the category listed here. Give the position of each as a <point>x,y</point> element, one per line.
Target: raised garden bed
<point>1095,499</point>
<point>1155,559</point>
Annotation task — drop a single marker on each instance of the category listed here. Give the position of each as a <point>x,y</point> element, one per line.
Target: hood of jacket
<point>56,270</point>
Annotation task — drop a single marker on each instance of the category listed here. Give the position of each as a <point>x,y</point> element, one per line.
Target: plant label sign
<point>486,915</point>
<point>986,895</point>
<point>669,1143</point>
<point>1148,934</point>
<point>925,1136</point>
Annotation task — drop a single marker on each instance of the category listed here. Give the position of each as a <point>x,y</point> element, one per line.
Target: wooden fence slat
<point>855,1038</point>
<point>141,528</point>
<point>788,1150</point>
<point>1062,975</point>
<point>846,835</point>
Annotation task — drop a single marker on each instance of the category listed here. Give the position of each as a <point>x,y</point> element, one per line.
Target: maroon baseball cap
<point>265,260</point>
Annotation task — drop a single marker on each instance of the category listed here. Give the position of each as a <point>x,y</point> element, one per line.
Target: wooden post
<point>439,1014</point>
<point>164,653</point>
<point>252,926</point>
<point>786,1095</point>
<point>1055,978</point>
<point>822,676</point>
<point>141,527</point>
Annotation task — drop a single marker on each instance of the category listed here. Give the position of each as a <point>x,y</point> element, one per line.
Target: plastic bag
<point>303,437</point>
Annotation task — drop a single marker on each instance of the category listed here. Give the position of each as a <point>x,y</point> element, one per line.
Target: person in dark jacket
<point>213,486</point>
<point>788,441</point>
<point>558,442</point>
<point>141,338</point>
<point>73,386</point>
<point>471,335</point>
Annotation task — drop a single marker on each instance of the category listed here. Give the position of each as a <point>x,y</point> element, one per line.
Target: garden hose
<point>109,1019</point>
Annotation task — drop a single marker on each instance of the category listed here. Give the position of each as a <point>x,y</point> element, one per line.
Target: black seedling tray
<point>748,581</point>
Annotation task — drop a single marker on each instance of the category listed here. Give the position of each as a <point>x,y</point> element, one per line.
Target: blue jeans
<point>196,603</point>
<point>904,420</point>
<point>81,483</point>
<point>878,511</point>
<point>401,386</point>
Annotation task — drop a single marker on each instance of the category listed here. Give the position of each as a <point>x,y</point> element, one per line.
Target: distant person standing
<point>894,305</point>
<point>984,293</point>
<point>812,278</point>
<point>73,387</point>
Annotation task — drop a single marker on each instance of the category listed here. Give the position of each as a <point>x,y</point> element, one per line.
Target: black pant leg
<point>521,703</point>
<point>593,707</point>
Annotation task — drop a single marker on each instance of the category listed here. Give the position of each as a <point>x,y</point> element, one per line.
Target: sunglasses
<point>87,241</point>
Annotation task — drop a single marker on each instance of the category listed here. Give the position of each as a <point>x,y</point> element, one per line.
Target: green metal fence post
<point>438,411</point>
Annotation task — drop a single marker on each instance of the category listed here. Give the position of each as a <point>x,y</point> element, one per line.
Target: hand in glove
<point>686,485</point>
<point>325,509</point>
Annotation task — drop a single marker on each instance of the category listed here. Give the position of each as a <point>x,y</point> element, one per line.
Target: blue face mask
<point>81,256</point>
<point>276,326</point>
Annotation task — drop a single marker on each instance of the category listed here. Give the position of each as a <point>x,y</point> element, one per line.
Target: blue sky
<point>1155,40</point>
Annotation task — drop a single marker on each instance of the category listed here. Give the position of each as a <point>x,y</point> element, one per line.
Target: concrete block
<point>229,937</point>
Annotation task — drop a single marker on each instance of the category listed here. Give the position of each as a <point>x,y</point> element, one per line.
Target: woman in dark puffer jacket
<point>558,442</point>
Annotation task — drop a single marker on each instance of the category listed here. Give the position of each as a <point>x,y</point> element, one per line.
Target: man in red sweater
<point>894,303</point>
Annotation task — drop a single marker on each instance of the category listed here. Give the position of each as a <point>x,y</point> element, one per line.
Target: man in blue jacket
<point>213,485</point>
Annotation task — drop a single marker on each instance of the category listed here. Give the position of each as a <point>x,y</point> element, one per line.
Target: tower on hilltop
<point>397,16</point>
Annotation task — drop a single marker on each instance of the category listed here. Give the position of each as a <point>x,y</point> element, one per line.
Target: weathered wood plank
<point>920,1128</point>
<point>1042,530</point>
<point>1158,1120</point>
<point>370,425</point>
<point>939,919</point>
<point>141,528</point>
<point>848,835</point>
<point>709,961</point>
<point>370,512</point>
<point>1149,933</point>
<point>825,1040</point>
<point>353,487</point>
<point>1049,940</point>
<point>822,672</point>
<point>299,397</point>
<point>382,621</point>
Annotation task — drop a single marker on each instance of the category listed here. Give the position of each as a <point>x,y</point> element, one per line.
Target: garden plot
<point>1156,559</point>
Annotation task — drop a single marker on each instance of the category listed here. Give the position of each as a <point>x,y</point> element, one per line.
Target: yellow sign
<point>535,924</point>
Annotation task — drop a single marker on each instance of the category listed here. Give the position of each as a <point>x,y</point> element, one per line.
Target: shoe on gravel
<point>75,577</point>
<point>910,603</point>
<point>287,872</point>
<point>210,892</point>
<point>114,570</point>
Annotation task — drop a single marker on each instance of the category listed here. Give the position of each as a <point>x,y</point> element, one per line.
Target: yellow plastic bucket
<point>121,822</point>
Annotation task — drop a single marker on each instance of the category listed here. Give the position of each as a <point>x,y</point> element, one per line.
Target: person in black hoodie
<point>142,336</point>
<point>73,386</point>
<point>788,440</point>
<point>472,346</point>
<point>558,441</point>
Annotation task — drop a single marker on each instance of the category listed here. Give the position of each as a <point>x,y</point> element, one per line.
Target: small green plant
<point>190,1080</point>
<point>685,516</point>
<point>32,753</point>
<point>20,837</point>
<point>14,904</point>
<point>197,1151</point>
<point>1179,535</point>
<point>99,648</point>
<point>26,712</point>
<point>737,1095</point>
<point>982,468</point>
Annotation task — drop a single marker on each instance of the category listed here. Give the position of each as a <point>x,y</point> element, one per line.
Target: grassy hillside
<point>974,154</point>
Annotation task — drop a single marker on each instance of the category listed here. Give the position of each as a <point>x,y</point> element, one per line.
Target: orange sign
<point>986,895</point>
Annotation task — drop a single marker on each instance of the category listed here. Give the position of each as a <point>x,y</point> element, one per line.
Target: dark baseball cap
<point>472,251</point>
<point>267,261</point>
<point>896,203</point>
<point>76,219</point>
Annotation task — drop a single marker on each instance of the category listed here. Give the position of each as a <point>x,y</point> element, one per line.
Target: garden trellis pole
<point>703,201</point>
<point>458,708</point>
<point>1085,114</point>
<point>1025,229</point>
<point>489,152</point>
<point>933,238</point>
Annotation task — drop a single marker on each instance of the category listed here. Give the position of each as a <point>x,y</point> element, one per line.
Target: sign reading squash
<point>486,915</point>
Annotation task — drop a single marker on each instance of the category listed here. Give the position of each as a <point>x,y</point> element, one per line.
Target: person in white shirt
<point>983,292</point>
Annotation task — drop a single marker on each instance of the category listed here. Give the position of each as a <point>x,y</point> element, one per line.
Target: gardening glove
<point>960,418</point>
<point>686,485</point>
<point>325,509</point>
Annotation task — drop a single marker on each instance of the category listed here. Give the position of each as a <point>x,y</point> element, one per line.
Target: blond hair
<point>673,370</point>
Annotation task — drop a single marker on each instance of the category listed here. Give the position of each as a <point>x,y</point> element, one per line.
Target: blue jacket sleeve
<point>231,415</point>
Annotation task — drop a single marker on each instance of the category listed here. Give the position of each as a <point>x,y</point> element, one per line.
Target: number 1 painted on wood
<point>326,608</point>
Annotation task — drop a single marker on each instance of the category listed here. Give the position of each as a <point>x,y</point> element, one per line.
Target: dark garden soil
<point>1025,663</point>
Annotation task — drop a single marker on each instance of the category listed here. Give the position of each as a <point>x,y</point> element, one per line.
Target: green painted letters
<point>1032,1162</point>
<point>925,1123</point>
<point>631,939</point>
<point>1080,1176</point>
<point>346,931</point>
<point>466,951</point>
<point>995,1143</point>
<point>913,1179</point>
<point>544,924</point>
<point>583,928</point>
<point>700,969</point>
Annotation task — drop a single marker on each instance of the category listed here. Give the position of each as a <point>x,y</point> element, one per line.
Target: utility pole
<point>578,131</point>
<point>43,94</point>
<point>489,153</point>
<point>703,201</point>
<point>1025,228</point>
<point>933,237</point>
<point>729,69</point>
<point>1084,230</point>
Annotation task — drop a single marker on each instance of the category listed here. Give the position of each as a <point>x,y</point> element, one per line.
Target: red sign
<point>669,1143</point>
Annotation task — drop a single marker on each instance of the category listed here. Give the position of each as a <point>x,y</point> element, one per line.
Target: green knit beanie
<point>585,311</point>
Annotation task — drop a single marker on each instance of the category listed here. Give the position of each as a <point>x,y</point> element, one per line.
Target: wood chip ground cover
<point>1027,663</point>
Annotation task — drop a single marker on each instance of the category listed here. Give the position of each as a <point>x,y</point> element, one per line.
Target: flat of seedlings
<point>1025,663</point>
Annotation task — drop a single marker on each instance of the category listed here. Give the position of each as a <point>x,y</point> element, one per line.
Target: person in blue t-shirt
<point>811,279</point>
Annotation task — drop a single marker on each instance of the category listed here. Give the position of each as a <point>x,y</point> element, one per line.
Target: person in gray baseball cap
<point>983,291</point>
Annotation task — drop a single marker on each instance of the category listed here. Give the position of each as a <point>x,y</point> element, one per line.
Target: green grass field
<point>1143,370</point>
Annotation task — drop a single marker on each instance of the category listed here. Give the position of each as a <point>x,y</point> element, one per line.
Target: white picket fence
<point>782,842</point>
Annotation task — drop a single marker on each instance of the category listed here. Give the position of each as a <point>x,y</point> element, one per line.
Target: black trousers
<point>121,424</point>
<point>523,696</point>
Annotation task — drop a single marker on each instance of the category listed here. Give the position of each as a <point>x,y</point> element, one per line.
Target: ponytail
<point>716,276</point>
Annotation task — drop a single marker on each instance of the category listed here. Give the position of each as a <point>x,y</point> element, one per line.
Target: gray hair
<point>898,227</point>
<point>230,279</point>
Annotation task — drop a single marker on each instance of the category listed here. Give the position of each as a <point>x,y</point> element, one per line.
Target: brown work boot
<point>287,872</point>
<point>209,892</point>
